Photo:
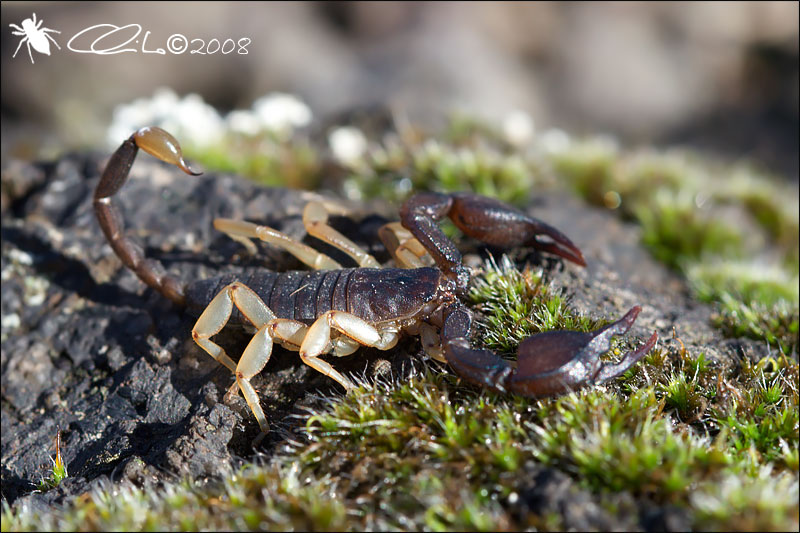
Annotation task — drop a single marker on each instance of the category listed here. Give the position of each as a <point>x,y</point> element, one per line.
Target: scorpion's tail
<point>162,145</point>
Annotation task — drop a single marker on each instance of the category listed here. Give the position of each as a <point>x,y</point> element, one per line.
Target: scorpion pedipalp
<point>548,364</point>
<point>499,224</point>
<point>555,362</point>
<point>486,219</point>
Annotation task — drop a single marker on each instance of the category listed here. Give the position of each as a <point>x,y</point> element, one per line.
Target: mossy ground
<point>427,452</point>
<point>718,441</point>
<point>733,231</point>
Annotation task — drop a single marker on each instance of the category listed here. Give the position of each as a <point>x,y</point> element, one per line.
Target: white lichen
<point>518,128</point>
<point>281,113</point>
<point>348,145</point>
<point>243,122</point>
<point>190,118</point>
<point>555,140</point>
<point>199,125</point>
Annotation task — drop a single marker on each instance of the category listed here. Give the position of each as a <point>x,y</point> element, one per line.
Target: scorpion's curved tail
<point>162,145</point>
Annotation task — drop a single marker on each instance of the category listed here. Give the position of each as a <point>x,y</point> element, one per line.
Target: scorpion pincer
<point>335,310</point>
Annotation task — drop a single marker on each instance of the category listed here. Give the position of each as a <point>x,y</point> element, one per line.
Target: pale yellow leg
<point>315,219</point>
<point>241,231</point>
<point>258,350</point>
<point>407,251</point>
<point>355,332</point>
<point>431,342</point>
<point>290,333</point>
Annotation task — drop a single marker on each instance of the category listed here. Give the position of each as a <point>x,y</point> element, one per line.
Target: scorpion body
<point>368,293</point>
<point>334,310</point>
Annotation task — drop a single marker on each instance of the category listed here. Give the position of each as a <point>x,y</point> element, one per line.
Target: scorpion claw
<point>548,364</point>
<point>610,371</point>
<point>556,362</point>
<point>561,245</point>
<point>481,367</point>
<point>504,226</point>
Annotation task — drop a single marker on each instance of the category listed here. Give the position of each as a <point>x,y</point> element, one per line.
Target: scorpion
<point>335,310</point>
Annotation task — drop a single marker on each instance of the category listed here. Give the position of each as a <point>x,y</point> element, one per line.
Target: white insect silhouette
<point>33,36</point>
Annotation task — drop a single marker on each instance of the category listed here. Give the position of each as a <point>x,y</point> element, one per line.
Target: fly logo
<point>34,36</point>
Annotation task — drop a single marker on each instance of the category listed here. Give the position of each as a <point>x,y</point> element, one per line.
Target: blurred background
<point>720,77</point>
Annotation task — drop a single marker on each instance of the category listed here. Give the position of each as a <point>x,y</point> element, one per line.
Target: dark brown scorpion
<point>335,310</point>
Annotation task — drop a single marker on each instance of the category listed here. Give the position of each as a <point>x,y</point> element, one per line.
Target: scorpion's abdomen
<point>372,294</point>
<point>300,295</point>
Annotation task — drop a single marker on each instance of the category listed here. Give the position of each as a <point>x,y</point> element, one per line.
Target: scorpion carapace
<point>334,310</point>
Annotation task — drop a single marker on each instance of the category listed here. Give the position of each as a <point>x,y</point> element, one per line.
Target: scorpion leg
<point>318,341</point>
<point>315,219</point>
<point>242,232</point>
<point>548,364</point>
<point>407,251</point>
<point>258,350</point>
<point>431,342</point>
<point>289,333</point>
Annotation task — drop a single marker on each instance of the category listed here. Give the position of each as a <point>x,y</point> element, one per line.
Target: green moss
<point>589,167</point>
<point>676,233</point>
<point>428,453</point>
<point>465,130</point>
<point>677,199</point>
<point>660,193</point>
<point>683,395</point>
<point>763,414</point>
<point>755,300</point>
<point>609,441</point>
<point>776,324</point>
<point>482,171</point>
<point>619,445</point>
<point>254,498</point>
<point>750,282</point>
<point>763,503</point>
<point>394,170</point>
<point>768,201</point>
<point>517,304</point>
